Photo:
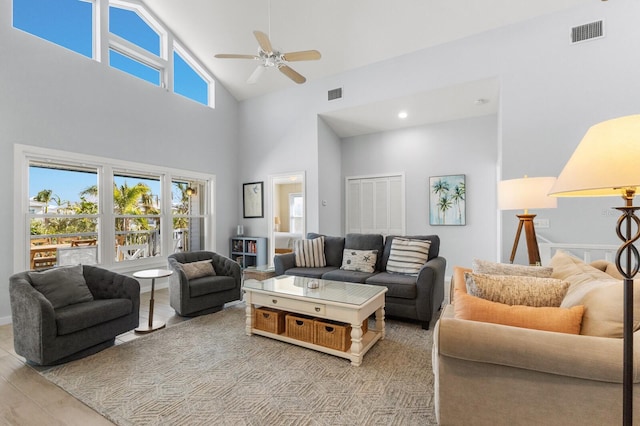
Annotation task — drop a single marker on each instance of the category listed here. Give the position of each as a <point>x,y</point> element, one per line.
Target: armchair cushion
<point>62,286</point>
<point>201,268</point>
<point>210,284</point>
<point>80,316</point>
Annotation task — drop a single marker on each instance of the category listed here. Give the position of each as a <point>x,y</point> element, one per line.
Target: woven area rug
<point>208,371</point>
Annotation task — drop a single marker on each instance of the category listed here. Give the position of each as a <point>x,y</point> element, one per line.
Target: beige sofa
<point>492,374</point>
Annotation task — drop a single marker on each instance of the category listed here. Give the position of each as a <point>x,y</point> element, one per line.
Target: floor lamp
<point>607,163</point>
<point>524,194</point>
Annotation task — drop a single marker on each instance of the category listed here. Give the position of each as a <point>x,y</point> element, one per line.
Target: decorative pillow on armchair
<point>359,260</point>
<point>199,269</point>
<point>310,253</point>
<point>62,286</point>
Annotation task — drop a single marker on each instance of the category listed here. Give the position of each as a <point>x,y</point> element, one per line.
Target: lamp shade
<point>526,193</point>
<point>606,161</point>
<point>276,220</point>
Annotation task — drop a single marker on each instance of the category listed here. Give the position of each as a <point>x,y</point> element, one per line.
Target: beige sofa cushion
<point>517,290</point>
<point>582,277</point>
<point>603,315</point>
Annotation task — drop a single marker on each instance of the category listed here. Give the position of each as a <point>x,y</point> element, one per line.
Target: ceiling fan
<point>270,58</point>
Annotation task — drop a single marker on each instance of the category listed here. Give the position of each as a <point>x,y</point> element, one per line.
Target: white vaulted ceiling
<point>348,33</point>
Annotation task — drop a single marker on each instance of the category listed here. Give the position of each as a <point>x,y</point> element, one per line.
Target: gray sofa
<point>207,294</point>
<point>411,297</point>
<point>47,336</point>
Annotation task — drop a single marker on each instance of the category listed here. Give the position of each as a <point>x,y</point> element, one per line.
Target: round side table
<point>151,274</point>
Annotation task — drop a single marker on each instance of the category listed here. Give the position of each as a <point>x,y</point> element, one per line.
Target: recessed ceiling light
<point>402,114</point>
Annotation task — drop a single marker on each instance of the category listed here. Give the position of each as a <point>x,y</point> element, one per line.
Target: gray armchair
<point>48,335</point>
<point>206,294</point>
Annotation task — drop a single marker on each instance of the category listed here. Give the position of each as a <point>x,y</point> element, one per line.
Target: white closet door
<point>375,205</point>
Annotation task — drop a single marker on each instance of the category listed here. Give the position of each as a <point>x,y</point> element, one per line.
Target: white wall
<point>330,178</point>
<point>466,147</point>
<point>52,97</point>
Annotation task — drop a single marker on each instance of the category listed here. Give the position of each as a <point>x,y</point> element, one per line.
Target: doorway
<point>287,212</point>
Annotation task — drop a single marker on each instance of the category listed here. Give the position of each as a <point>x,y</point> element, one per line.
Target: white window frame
<point>24,154</point>
<point>103,41</point>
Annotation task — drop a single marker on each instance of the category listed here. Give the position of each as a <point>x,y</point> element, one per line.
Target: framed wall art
<point>253,199</point>
<point>447,200</point>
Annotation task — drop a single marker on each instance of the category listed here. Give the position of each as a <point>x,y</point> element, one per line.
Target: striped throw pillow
<point>309,253</point>
<point>408,256</point>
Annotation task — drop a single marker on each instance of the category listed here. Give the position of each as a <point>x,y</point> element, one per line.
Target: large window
<point>90,210</point>
<point>136,42</point>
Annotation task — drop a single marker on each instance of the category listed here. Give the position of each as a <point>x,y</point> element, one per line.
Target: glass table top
<point>333,291</point>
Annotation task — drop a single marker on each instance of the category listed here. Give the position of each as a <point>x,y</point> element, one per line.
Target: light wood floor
<point>28,399</point>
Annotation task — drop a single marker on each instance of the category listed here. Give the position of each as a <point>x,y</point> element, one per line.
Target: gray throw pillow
<point>198,269</point>
<point>62,286</point>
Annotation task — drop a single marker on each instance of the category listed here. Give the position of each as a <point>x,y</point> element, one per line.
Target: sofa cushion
<point>201,268</point>
<point>310,253</point>
<point>359,260</point>
<point>398,285</point>
<point>80,316</point>
<point>310,272</point>
<point>333,247</point>
<point>210,284</point>
<point>604,310</point>
<point>348,276</point>
<point>365,242</point>
<point>493,268</point>
<point>434,248</point>
<point>62,286</point>
<point>516,290</point>
<point>408,256</point>
<point>561,320</point>
<point>581,277</point>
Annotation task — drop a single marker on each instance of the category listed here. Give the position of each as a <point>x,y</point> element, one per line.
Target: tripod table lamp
<point>524,194</point>
<point>606,163</point>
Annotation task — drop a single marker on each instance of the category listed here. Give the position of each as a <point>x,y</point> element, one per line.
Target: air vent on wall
<point>335,94</point>
<point>588,31</point>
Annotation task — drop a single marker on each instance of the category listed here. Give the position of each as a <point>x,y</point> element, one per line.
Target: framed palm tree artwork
<point>447,200</point>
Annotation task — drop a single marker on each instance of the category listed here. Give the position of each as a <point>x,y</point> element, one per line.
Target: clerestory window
<point>137,42</point>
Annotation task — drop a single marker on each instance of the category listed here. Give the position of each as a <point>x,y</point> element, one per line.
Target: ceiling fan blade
<point>305,55</point>
<point>263,41</point>
<point>234,56</point>
<point>255,75</point>
<point>293,75</point>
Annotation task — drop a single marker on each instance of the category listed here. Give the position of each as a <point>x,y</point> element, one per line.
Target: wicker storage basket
<point>332,334</point>
<point>299,327</point>
<point>268,319</point>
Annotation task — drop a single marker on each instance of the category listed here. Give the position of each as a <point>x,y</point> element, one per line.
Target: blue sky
<point>68,184</point>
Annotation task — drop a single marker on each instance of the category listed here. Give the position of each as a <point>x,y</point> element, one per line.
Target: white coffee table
<point>339,301</point>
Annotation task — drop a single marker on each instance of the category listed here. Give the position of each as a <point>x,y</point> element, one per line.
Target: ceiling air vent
<point>586,32</point>
<point>335,94</point>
